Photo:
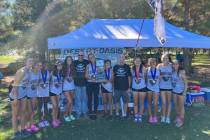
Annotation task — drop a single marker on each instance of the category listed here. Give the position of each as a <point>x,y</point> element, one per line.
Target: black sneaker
<point>25,134</point>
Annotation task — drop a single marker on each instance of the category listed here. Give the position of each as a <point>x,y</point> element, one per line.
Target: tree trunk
<point>187,52</point>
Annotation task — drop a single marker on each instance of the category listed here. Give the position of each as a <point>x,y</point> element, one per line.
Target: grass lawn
<point>197,124</point>
<point>197,127</point>
<point>5,60</point>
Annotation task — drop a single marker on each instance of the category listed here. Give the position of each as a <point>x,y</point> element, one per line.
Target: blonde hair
<point>150,60</point>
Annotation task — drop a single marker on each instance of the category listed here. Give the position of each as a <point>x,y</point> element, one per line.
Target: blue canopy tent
<point>120,33</point>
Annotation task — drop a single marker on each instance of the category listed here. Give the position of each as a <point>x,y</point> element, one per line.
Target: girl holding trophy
<point>92,86</point>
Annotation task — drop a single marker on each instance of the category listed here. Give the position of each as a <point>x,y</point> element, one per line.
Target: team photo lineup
<point>36,84</point>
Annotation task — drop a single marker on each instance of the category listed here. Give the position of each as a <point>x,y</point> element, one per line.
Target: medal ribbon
<point>93,67</point>
<point>107,73</point>
<point>137,71</point>
<point>58,77</point>
<point>44,76</point>
<point>153,74</point>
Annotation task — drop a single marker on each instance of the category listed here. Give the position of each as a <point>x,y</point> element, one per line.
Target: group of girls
<point>166,79</point>
<point>34,84</point>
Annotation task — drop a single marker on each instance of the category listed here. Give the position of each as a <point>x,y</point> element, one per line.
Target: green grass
<point>196,126</point>
<point>5,60</point>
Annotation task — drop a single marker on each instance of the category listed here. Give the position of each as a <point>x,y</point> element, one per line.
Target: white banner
<point>159,22</point>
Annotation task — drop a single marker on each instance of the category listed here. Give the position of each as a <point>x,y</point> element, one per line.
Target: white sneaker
<point>46,123</point>
<point>163,119</point>
<point>168,120</point>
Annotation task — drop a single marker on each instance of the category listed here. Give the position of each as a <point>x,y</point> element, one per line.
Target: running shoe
<point>58,121</point>
<point>41,124</point>
<point>29,130</point>
<point>72,117</point>
<point>151,120</point>
<point>140,118</point>
<point>34,128</point>
<point>135,119</point>
<point>55,124</point>
<point>163,119</point>
<point>155,119</point>
<point>46,123</point>
<point>67,119</point>
<point>168,120</point>
<point>179,122</point>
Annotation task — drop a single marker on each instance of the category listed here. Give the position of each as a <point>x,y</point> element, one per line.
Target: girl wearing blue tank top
<point>55,91</point>
<point>165,69</point>
<point>179,83</point>
<point>138,88</point>
<point>32,98</point>
<point>18,99</point>
<point>68,87</point>
<point>153,78</point>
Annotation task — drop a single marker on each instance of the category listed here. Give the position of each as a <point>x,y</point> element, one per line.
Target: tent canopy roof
<point>120,33</point>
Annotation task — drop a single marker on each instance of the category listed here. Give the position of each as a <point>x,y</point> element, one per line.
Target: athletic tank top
<point>56,84</point>
<point>22,87</point>
<point>153,76</point>
<point>138,84</point>
<point>68,83</point>
<point>33,84</point>
<point>166,73</point>
<point>177,83</point>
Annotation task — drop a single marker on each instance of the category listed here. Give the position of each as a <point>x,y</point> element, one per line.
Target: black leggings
<point>92,91</point>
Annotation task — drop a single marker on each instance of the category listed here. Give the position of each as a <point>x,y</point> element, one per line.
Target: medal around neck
<point>93,77</point>
<point>152,82</point>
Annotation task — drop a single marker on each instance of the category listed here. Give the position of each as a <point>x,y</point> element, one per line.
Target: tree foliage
<point>36,20</point>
